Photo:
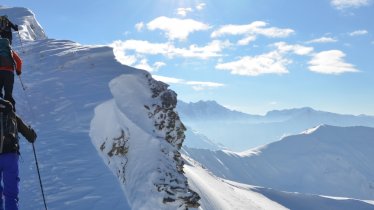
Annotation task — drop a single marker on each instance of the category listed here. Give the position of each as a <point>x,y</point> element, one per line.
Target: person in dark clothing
<point>6,28</point>
<point>9,61</point>
<point>10,125</point>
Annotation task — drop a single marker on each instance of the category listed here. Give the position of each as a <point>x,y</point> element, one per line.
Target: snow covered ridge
<point>138,134</point>
<point>29,28</point>
<point>328,160</point>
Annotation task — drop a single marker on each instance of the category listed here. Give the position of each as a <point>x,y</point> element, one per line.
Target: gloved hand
<point>32,135</point>
<point>16,26</point>
<point>18,73</point>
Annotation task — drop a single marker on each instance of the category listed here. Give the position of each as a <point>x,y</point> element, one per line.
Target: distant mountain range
<point>240,131</point>
<point>210,110</point>
<point>326,160</point>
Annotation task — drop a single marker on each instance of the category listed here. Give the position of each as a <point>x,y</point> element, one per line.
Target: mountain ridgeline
<point>243,131</point>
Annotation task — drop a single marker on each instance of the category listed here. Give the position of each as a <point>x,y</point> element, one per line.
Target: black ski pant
<point>6,84</point>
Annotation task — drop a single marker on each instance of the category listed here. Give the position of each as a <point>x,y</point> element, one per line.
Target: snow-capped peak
<point>29,28</point>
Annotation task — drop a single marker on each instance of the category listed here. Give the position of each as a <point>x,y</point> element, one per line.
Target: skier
<point>6,28</point>
<point>10,125</point>
<point>9,60</point>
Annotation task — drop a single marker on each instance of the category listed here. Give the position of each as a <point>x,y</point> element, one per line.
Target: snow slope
<point>327,160</point>
<point>222,194</point>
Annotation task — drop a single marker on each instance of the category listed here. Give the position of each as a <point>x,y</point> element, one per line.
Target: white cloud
<point>157,65</point>
<point>330,62</point>
<point>200,6</point>
<point>296,49</point>
<point>322,40</point>
<point>144,65</point>
<point>251,31</point>
<point>143,47</point>
<point>121,56</point>
<point>183,11</point>
<point>344,4</point>
<point>358,33</point>
<point>247,40</point>
<point>139,26</point>
<point>212,49</point>
<point>269,63</point>
<point>196,85</point>
<point>238,29</point>
<point>176,28</point>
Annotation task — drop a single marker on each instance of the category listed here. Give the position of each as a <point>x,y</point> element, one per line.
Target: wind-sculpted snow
<point>138,134</point>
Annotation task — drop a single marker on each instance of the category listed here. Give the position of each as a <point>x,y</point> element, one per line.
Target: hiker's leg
<point>8,88</point>
<point>1,190</point>
<point>11,181</point>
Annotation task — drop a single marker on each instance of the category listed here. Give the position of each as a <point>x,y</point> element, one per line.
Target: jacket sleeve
<point>18,62</point>
<point>26,130</point>
<point>15,27</point>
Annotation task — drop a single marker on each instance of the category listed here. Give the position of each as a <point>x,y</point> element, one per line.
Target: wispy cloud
<point>196,85</point>
<point>157,65</point>
<point>297,49</point>
<point>143,64</point>
<point>184,11</point>
<point>322,40</point>
<point>330,62</point>
<point>212,49</point>
<point>176,28</point>
<point>251,31</point>
<point>344,4</point>
<point>139,26</point>
<point>273,103</point>
<point>269,63</point>
<point>358,33</point>
<point>200,6</point>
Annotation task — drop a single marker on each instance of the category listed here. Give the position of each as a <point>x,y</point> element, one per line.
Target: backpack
<point>6,58</point>
<point>8,131</point>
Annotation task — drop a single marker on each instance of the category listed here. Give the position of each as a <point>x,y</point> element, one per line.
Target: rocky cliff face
<point>169,128</point>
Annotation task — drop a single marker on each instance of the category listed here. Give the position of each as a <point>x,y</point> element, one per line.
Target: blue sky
<point>252,56</point>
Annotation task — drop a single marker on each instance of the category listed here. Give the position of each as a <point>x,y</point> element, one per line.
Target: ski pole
<point>40,180</point>
<point>23,86</point>
<point>20,40</point>
<point>33,148</point>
